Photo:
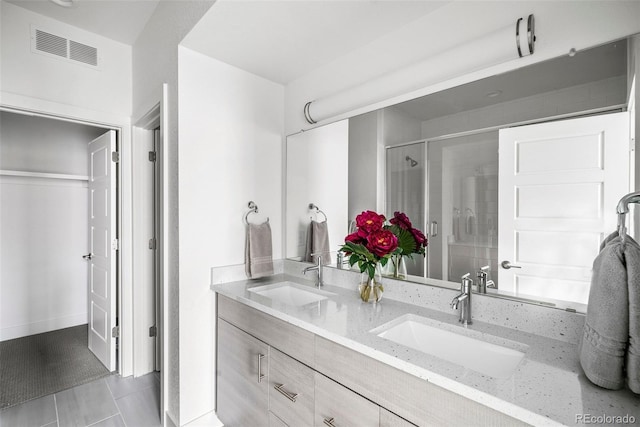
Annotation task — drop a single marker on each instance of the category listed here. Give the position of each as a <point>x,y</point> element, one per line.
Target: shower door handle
<point>433,229</point>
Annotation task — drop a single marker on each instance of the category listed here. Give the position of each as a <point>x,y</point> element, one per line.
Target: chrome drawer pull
<point>329,422</point>
<point>291,396</point>
<point>260,374</point>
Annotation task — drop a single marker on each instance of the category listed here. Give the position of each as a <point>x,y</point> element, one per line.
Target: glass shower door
<point>405,190</point>
<point>463,200</point>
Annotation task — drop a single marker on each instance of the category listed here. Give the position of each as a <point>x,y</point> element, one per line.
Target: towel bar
<point>253,208</point>
<point>312,206</point>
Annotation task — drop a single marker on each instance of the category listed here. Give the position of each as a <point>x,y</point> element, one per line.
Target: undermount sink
<point>292,294</point>
<point>486,354</point>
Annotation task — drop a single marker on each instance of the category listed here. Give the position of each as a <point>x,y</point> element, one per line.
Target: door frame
<point>121,125</point>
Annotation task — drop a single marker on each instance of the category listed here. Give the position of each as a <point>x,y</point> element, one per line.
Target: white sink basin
<point>292,294</point>
<point>486,354</point>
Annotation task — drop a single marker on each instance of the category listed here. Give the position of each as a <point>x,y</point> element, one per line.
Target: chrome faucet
<point>318,268</point>
<point>483,283</point>
<point>465,299</point>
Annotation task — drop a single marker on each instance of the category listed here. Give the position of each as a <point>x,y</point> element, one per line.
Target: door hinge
<point>152,156</point>
<point>152,243</point>
<point>115,156</point>
<point>153,331</point>
<point>115,332</point>
<point>115,245</point>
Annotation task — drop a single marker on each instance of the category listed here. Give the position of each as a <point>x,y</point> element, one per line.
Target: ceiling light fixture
<point>63,3</point>
<point>503,47</point>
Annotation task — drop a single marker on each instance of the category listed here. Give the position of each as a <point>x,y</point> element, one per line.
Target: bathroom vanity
<point>290,354</point>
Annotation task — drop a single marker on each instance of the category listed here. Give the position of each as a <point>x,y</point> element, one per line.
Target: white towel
<point>258,259</point>
<point>318,243</point>
<point>611,340</point>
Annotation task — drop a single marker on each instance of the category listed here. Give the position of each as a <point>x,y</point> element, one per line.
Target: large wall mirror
<point>520,171</point>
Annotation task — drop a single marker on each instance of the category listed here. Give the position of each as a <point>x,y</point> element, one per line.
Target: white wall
<point>48,78</point>
<point>155,61</point>
<point>230,152</point>
<point>559,25</point>
<point>363,163</point>
<point>44,225</point>
<point>584,97</point>
<point>309,181</point>
<point>36,144</point>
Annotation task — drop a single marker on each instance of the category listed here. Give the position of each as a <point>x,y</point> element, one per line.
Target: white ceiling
<point>122,21</point>
<point>283,40</point>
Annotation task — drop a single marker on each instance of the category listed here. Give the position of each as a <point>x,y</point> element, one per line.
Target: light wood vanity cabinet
<point>389,419</point>
<point>243,397</point>
<point>321,383</point>
<point>291,396</point>
<point>337,406</point>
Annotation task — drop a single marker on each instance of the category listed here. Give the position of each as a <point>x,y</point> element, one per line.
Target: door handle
<point>434,229</point>
<point>88,256</point>
<point>507,265</point>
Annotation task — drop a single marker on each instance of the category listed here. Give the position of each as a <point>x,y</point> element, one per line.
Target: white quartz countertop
<point>547,388</point>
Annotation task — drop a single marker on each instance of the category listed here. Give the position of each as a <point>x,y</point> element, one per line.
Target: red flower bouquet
<point>375,243</point>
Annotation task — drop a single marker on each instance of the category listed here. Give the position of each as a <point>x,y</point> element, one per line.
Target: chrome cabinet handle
<point>507,265</point>
<point>88,256</point>
<point>329,422</point>
<point>434,229</point>
<point>260,374</point>
<point>291,396</point>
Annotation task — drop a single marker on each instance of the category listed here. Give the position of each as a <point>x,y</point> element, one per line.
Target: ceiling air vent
<point>51,44</point>
<point>83,53</point>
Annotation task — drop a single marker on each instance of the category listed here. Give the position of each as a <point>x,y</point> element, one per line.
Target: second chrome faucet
<point>318,268</point>
<point>464,300</point>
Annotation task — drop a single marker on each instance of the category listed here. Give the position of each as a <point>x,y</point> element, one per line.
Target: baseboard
<point>47,325</point>
<point>168,421</point>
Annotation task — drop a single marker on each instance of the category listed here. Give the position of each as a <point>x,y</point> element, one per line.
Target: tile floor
<point>107,402</point>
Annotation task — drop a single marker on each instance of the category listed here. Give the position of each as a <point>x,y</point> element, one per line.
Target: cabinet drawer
<point>340,407</point>
<point>417,400</point>
<point>389,419</point>
<point>275,421</point>
<point>279,334</point>
<point>290,389</point>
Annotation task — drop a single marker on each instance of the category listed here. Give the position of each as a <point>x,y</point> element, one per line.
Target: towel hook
<point>253,208</point>
<point>312,206</point>
<point>623,209</point>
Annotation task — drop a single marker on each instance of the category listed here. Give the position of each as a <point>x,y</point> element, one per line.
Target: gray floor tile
<point>142,408</point>
<point>115,421</point>
<point>53,424</point>
<point>35,413</point>
<point>85,405</point>
<point>121,387</point>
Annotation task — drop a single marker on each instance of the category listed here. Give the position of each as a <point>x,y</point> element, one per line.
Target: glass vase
<point>396,267</point>
<point>370,288</point>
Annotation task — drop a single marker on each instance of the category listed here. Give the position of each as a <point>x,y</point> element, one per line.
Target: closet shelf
<point>44,175</point>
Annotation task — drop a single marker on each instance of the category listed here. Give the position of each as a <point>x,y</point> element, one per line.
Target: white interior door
<point>559,185</point>
<point>102,243</point>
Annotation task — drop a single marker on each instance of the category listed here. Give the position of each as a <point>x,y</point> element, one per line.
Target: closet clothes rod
<point>46,175</point>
